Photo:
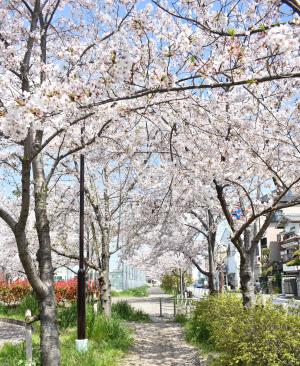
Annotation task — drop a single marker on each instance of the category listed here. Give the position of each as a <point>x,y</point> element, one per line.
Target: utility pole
<point>81,341</point>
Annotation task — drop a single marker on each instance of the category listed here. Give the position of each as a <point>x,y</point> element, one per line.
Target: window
<point>264,242</point>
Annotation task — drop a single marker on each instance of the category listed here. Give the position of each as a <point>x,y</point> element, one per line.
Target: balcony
<point>289,239</point>
<point>287,250</point>
<point>290,268</point>
<point>289,235</point>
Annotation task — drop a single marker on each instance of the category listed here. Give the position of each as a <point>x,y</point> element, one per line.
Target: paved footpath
<point>11,333</point>
<point>160,342</point>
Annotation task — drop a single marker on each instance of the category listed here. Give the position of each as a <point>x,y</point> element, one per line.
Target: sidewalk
<point>283,300</point>
<point>11,333</point>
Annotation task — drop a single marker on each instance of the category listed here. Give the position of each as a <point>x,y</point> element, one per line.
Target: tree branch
<point>75,257</point>
<point>294,4</point>
<point>224,85</point>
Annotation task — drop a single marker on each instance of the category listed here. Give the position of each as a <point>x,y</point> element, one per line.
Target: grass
<point>141,291</point>
<point>109,339</point>
<point>181,319</point>
<point>102,351</point>
<point>125,311</point>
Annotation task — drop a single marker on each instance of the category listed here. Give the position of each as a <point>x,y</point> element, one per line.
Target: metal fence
<point>172,306</point>
<point>198,292</point>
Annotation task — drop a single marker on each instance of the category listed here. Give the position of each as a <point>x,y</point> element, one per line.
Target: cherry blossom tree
<point>111,194</point>
<point>121,66</point>
<point>40,110</point>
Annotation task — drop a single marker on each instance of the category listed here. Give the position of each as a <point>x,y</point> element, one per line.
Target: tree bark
<point>211,266</point>
<point>50,348</point>
<point>104,284</point>
<point>49,343</point>
<point>105,287</point>
<point>247,278</point>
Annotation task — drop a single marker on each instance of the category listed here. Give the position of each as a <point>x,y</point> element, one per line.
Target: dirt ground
<point>160,342</point>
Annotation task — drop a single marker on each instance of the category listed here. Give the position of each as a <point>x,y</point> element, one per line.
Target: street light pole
<point>81,342</point>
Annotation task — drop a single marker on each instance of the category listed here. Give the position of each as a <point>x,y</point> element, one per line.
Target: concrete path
<point>160,342</point>
<point>11,333</point>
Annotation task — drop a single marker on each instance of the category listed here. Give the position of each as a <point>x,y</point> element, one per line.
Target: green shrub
<point>209,309</point>
<point>170,282</point>
<point>14,292</point>
<point>126,312</point>
<point>18,311</point>
<point>264,335</point>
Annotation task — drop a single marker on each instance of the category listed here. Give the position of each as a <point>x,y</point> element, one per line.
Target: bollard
<point>28,337</point>
<point>160,308</point>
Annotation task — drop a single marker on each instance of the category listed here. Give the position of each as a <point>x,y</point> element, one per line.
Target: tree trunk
<point>247,278</point>
<point>211,282</point>
<point>222,280</point>
<point>50,349</point>
<point>211,270</point>
<point>104,284</point>
<point>180,282</point>
<point>105,288</point>
<point>211,242</point>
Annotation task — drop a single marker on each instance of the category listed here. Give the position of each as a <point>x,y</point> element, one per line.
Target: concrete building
<point>122,275</point>
<point>232,261</point>
<point>289,242</point>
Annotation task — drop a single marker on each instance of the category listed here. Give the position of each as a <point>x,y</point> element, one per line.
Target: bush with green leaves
<point>263,335</point>
<point>170,282</point>
<point>28,302</point>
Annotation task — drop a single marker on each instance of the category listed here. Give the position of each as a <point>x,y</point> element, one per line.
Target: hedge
<point>263,335</point>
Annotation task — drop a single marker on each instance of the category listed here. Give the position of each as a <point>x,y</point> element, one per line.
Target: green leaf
<point>231,31</point>
<point>193,59</point>
<point>252,82</point>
